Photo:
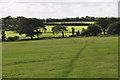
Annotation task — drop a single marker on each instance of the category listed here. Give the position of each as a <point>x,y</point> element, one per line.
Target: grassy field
<point>85,57</point>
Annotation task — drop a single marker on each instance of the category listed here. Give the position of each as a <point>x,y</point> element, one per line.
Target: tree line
<point>87,18</point>
<point>28,26</point>
<point>103,24</point>
<point>68,24</point>
<point>34,26</point>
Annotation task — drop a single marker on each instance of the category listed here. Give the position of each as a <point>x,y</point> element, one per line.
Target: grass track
<point>91,57</point>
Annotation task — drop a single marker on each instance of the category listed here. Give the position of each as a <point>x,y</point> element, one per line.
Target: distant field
<point>71,22</point>
<point>86,57</point>
<point>49,29</point>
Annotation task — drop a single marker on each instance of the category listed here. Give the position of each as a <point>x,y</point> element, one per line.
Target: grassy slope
<point>91,57</point>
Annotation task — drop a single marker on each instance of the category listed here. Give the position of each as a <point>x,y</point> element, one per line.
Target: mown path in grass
<point>70,64</point>
<point>91,57</point>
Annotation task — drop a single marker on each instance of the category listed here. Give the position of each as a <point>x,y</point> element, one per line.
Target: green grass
<point>85,57</point>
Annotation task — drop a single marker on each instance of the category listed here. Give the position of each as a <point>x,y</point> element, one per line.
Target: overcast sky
<point>59,8</point>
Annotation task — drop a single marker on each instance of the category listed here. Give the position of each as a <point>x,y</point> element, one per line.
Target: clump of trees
<point>92,30</point>
<point>13,38</point>
<point>35,27</point>
<point>28,26</point>
<point>86,18</point>
<point>59,29</point>
<point>114,28</point>
<point>103,23</point>
<point>109,25</point>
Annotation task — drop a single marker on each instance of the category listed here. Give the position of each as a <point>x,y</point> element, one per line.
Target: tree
<point>78,33</point>
<point>73,30</point>
<point>114,28</point>
<point>103,23</point>
<point>28,26</point>
<point>40,26</point>
<point>94,29</point>
<point>7,23</point>
<point>59,29</point>
<point>3,35</point>
<point>84,31</point>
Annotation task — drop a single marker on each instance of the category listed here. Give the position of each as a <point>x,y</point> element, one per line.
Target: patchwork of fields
<point>72,22</point>
<point>86,57</point>
<point>49,33</point>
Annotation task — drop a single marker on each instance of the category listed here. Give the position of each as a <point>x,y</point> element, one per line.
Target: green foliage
<point>78,33</point>
<point>29,26</point>
<point>73,30</point>
<point>103,23</point>
<point>84,31</point>
<point>114,28</point>
<point>3,35</point>
<point>13,38</point>
<point>59,29</point>
<point>94,30</point>
<point>7,23</point>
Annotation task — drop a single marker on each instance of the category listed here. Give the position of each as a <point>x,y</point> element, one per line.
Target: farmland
<point>72,22</point>
<point>80,57</point>
<point>48,32</point>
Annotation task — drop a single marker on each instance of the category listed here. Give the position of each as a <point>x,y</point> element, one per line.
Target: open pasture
<point>81,57</point>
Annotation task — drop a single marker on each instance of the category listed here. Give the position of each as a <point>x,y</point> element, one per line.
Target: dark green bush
<point>13,38</point>
<point>114,28</point>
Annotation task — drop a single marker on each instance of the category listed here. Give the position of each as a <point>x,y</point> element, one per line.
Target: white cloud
<point>59,0</point>
<point>59,9</point>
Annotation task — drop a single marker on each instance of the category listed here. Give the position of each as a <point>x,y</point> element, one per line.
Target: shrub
<point>114,28</point>
<point>92,30</point>
<point>13,38</point>
<point>16,37</point>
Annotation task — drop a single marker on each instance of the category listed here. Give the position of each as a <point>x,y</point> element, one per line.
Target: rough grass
<point>87,57</point>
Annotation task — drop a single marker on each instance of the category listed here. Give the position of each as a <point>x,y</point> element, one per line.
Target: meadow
<point>80,57</point>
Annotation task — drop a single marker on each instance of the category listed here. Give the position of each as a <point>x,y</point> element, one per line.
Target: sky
<point>59,8</point>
